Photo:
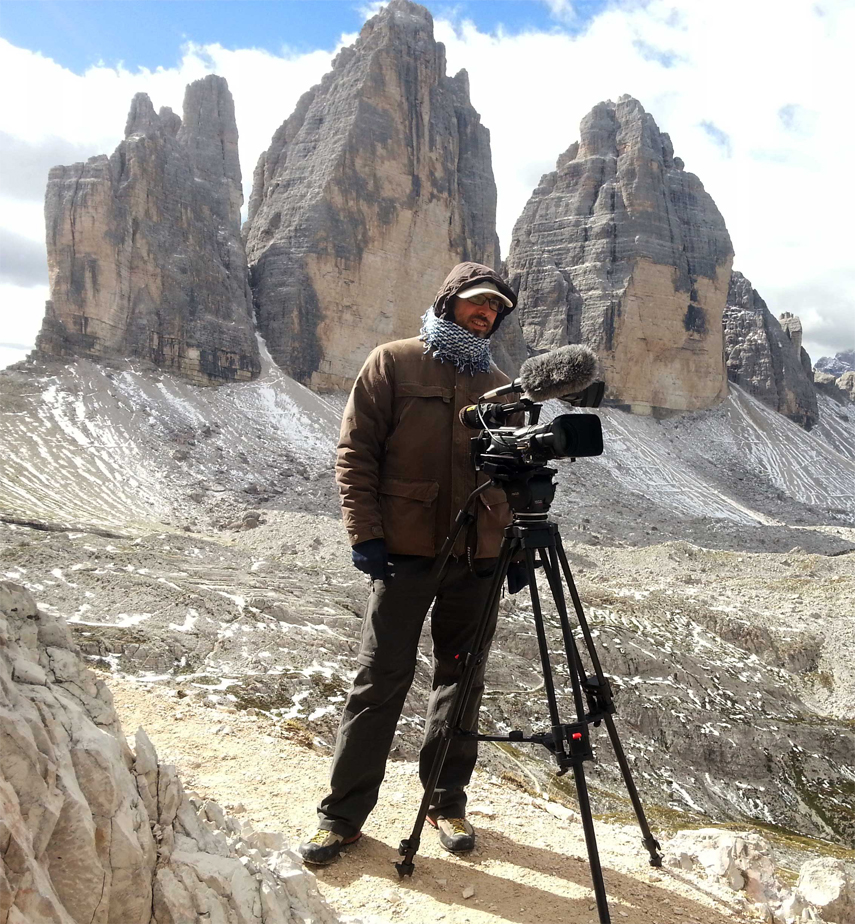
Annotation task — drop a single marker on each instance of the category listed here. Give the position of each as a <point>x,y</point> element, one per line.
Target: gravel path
<point>530,865</point>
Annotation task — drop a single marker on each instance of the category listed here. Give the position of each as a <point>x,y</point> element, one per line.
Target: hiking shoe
<point>455,834</point>
<point>325,846</point>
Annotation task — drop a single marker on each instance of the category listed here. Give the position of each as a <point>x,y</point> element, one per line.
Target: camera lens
<point>574,435</point>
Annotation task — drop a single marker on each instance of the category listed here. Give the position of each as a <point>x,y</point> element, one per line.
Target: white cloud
<point>561,10</point>
<point>89,110</point>
<point>774,83</point>
<point>21,312</point>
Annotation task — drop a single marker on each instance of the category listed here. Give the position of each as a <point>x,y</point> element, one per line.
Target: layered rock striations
<point>90,831</point>
<point>623,250</point>
<point>144,250</point>
<point>377,184</point>
<point>765,356</point>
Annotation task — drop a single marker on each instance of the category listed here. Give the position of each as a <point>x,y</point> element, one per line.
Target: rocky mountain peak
<point>209,135</point>
<point>838,364</point>
<point>621,249</point>
<point>141,117</point>
<point>144,250</point>
<point>835,376</point>
<point>792,327</point>
<point>407,19</point>
<point>375,186</point>
<point>765,356</point>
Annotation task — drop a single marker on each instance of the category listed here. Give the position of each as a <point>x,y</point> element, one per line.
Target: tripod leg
<point>649,841</point>
<point>543,646</point>
<point>410,845</point>
<point>573,664</point>
<point>591,843</point>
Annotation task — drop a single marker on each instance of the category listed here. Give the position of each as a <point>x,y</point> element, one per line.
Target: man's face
<point>477,319</point>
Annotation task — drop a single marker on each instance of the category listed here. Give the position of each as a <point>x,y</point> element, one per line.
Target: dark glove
<point>371,557</point>
<point>517,577</point>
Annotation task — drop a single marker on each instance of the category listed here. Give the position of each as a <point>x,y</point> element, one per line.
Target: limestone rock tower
<point>145,256</point>
<point>376,185</point>
<point>621,249</point>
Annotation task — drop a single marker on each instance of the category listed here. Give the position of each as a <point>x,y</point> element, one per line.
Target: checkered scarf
<point>449,341</point>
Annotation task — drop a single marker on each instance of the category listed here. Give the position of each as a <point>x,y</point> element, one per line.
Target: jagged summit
<point>765,356</point>
<point>624,250</point>
<point>144,251</point>
<point>837,365</point>
<point>378,183</point>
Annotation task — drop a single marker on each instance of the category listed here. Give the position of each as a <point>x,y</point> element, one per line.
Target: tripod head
<point>531,492</point>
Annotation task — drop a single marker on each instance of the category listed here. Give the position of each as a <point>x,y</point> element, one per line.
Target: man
<point>404,471</point>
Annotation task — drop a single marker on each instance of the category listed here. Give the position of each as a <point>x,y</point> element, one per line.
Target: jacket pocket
<point>494,514</point>
<point>408,511</point>
<point>416,390</point>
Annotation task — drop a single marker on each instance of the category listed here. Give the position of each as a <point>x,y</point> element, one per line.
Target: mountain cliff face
<point>621,249</point>
<point>144,250</point>
<point>765,356</point>
<point>377,184</point>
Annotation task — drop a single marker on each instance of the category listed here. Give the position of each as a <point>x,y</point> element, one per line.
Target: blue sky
<point>142,33</point>
<point>751,93</point>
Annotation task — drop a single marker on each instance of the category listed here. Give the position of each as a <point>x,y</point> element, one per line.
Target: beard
<point>481,332</point>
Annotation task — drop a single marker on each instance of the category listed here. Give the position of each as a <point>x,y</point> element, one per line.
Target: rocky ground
<point>530,864</point>
<point>736,693</point>
<point>191,539</point>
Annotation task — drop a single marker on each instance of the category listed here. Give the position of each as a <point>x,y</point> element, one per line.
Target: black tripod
<point>530,494</point>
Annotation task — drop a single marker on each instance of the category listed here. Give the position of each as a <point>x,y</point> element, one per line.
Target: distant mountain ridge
<point>838,364</point>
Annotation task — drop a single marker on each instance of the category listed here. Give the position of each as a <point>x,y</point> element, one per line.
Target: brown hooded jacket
<point>403,465</point>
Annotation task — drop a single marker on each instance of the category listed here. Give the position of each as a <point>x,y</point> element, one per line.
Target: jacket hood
<point>465,275</point>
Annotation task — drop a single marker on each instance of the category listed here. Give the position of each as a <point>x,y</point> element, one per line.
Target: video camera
<point>503,451</point>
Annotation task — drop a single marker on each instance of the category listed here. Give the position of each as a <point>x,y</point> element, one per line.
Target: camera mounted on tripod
<point>503,451</point>
<point>516,456</point>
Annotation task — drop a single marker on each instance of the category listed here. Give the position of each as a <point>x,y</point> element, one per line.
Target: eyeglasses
<point>496,304</point>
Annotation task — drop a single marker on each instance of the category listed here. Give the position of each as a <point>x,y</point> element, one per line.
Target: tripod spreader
<point>574,736</point>
<point>598,694</point>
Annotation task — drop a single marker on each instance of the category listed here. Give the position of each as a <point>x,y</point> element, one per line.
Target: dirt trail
<point>530,865</point>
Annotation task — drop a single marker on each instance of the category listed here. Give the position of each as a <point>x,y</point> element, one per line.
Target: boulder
<point>91,832</point>
<point>846,384</point>
<point>828,886</point>
<point>378,183</point>
<point>145,257</point>
<point>765,357</point>
<point>623,250</point>
<point>743,861</point>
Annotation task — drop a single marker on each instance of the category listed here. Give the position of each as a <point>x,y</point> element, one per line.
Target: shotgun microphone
<point>555,374</point>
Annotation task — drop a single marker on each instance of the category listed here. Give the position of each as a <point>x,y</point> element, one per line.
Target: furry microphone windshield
<point>558,373</point>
